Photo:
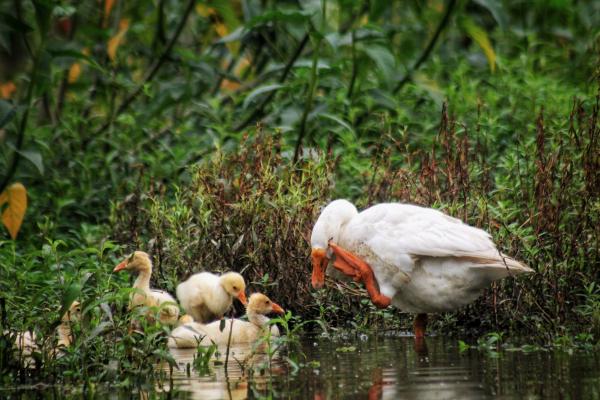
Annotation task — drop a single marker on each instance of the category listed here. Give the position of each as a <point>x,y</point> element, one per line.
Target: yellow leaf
<point>7,89</point>
<point>108,5</point>
<point>221,29</point>
<point>204,11</point>
<point>481,38</point>
<point>12,217</point>
<point>115,41</point>
<point>74,72</point>
<point>229,86</point>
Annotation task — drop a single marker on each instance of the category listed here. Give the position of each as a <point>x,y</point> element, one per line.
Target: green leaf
<point>383,59</point>
<point>258,91</point>
<point>7,113</point>
<point>7,20</point>
<point>481,38</point>
<point>71,294</point>
<point>35,158</point>
<point>496,9</point>
<point>338,120</point>
<point>222,324</point>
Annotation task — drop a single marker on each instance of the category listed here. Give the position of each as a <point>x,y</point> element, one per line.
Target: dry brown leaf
<point>7,89</point>
<point>12,216</point>
<point>115,41</point>
<point>74,72</point>
<point>108,5</point>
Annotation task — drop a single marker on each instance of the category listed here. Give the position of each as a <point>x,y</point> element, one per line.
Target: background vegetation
<point>211,133</point>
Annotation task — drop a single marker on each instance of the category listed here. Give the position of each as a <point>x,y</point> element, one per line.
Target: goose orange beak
<point>121,266</point>
<point>242,298</point>
<point>319,263</point>
<point>277,309</point>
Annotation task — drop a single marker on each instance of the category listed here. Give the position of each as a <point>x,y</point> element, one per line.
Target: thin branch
<point>259,111</point>
<point>152,72</point>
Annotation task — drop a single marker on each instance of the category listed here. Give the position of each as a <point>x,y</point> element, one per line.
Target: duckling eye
<point>235,288</point>
<point>267,302</point>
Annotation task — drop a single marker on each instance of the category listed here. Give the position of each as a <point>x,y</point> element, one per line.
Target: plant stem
<point>310,95</point>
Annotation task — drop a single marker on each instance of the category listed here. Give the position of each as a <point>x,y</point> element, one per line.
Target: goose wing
<point>395,231</point>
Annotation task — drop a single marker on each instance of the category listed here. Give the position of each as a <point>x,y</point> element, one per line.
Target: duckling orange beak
<point>277,308</point>
<point>121,266</point>
<point>242,298</point>
<point>319,263</point>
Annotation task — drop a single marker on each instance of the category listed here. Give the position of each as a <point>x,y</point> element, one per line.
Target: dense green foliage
<point>211,134</point>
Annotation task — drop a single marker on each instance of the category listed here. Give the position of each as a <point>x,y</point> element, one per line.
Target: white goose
<point>415,258</point>
<point>140,263</point>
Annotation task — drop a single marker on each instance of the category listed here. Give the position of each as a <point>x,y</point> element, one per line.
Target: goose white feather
<point>422,259</point>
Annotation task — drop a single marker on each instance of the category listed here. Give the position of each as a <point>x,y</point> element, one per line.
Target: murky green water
<point>381,368</point>
<point>392,368</point>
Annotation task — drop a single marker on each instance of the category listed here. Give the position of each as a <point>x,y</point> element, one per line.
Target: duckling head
<point>185,319</point>
<point>137,261</point>
<point>234,284</point>
<point>73,313</point>
<point>261,304</point>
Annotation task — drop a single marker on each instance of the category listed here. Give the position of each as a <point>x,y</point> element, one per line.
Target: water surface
<point>399,367</point>
<point>362,367</point>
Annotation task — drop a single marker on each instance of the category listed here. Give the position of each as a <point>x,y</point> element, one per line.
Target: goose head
<point>234,284</point>
<point>138,261</point>
<point>327,228</point>
<point>261,304</point>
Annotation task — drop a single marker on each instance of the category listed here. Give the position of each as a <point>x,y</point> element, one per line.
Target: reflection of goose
<point>418,259</point>
<point>140,262</point>
<point>207,296</point>
<point>192,334</point>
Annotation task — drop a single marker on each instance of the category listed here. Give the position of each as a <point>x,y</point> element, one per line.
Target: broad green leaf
<point>258,91</point>
<point>496,9</point>
<point>481,38</point>
<point>383,59</point>
<point>337,120</point>
<point>12,217</point>
<point>35,158</point>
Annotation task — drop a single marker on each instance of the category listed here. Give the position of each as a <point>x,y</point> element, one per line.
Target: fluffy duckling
<point>139,262</point>
<point>25,342</point>
<point>207,296</point>
<point>191,334</point>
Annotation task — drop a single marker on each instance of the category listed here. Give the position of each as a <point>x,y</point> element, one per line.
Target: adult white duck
<point>139,262</point>
<point>190,334</point>
<point>415,258</point>
<point>206,296</point>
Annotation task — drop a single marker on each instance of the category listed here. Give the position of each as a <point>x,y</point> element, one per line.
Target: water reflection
<point>400,367</point>
<point>372,368</point>
<point>250,372</point>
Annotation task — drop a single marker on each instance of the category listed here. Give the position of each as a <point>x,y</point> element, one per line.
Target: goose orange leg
<point>356,268</point>
<point>420,325</point>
